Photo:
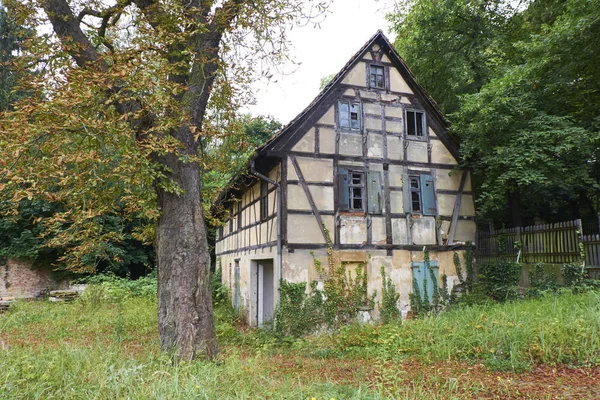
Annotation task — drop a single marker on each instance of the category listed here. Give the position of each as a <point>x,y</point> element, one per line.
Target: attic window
<point>349,115</point>
<point>415,123</point>
<point>377,80</point>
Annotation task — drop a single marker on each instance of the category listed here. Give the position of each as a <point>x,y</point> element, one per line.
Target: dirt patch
<point>455,378</point>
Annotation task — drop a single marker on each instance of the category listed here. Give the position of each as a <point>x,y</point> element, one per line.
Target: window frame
<point>361,185</point>
<point>415,136</point>
<point>371,190</point>
<point>264,200</point>
<point>239,215</point>
<point>418,191</point>
<point>384,81</point>
<point>349,104</point>
<point>425,192</point>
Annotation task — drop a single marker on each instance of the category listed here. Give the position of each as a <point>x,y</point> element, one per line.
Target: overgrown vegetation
<point>441,298</point>
<point>111,351</point>
<point>388,308</point>
<point>336,304</point>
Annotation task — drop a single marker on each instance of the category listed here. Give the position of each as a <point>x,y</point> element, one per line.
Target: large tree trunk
<point>185,320</point>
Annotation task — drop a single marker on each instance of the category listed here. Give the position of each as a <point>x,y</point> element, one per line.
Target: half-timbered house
<point>368,166</point>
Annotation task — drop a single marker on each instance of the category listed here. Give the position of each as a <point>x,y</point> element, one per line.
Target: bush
<point>298,313</point>
<point>388,309</point>
<point>220,293</point>
<point>114,289</point>
<point>500,279</point>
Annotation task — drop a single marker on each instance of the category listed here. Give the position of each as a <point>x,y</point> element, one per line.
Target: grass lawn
<point>540,349</point>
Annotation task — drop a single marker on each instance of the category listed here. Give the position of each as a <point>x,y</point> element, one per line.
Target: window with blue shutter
<point>427,195</point>
<point>343,189</point>
<point>374,199</point>
<point>418,194</point>
<point>358,191</point>
<point>422,277</point>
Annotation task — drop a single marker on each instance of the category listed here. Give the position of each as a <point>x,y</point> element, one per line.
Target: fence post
<point>580,242</point>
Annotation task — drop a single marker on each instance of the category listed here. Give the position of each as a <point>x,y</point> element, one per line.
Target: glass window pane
<point>419,123</point>
<point>410,123</point>
<point>416,201</point>
<point>414,183</point>
<point>355,116</point>
<point>357,204</point>
<point>343,115</point>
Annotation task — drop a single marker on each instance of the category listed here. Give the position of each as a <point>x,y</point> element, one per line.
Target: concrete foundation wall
<point>299,266</point>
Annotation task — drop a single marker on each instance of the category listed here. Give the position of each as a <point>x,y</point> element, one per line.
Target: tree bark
<point>185,319</point>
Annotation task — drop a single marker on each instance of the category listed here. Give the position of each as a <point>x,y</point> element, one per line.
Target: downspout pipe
<point>279,221</point>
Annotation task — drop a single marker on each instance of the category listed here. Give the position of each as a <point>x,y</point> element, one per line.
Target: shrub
<point>114,289</point>
<point>298,313</point>
<point>500,279</point>
<point>220,293</point>
<point>388,309</point>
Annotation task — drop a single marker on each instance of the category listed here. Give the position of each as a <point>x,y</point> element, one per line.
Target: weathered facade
<point>19,280</point>
<point>368,164</point>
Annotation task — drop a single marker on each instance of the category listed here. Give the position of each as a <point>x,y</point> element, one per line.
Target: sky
<point>322,51</point>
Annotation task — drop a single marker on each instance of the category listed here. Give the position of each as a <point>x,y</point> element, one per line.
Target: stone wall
<point>19,280</point>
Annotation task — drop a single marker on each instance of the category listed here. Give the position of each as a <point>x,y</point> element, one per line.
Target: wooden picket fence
<point>559,243</point>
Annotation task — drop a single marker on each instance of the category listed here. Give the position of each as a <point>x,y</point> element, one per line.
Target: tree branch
<point>206,63</point>
<point>66,26</point>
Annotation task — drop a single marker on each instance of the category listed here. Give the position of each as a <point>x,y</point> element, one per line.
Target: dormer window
<point>415,123</point>
<point>376,77</point>
<point>349,115</point>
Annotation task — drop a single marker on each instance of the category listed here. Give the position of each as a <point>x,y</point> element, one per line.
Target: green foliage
<point>345,296</point>
<point>512,336</point>
<point>25,234</point>
<point>298,313</point>
<point>572,274</point>
<point>220,293</point>
<point>540,281</point>
<point>500,279</point>
<point>336,305</point>
<point>111,352</point>
<point>228,156</point>
<point>325,81</point>
<point>419,304</point>
<point>441,297</point>
<point>521,87</point>
<point>452,46</point>
<point>388,308</point>
<point>12,37</point>
<point>113,289</point>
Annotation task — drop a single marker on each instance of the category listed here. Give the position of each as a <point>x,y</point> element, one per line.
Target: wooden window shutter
<point>343,191</point>
<point>374,191</point>
<point>421,274</point>
<point>406,194</point>
<point>427,195</point>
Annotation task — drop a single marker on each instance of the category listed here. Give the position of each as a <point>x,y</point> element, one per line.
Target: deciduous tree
<point>129,88</point>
